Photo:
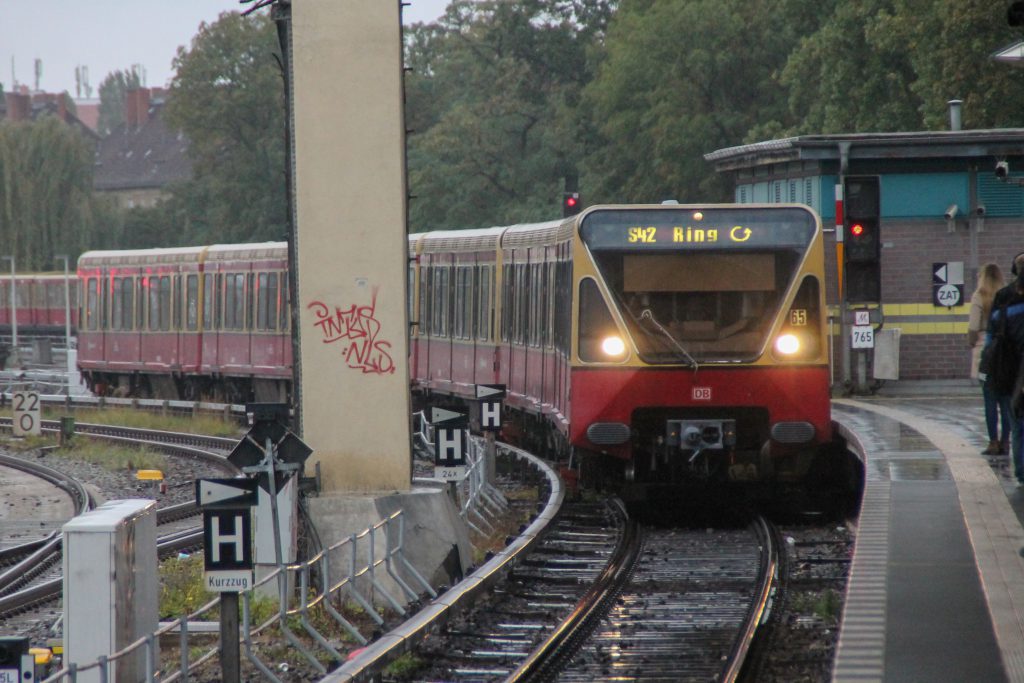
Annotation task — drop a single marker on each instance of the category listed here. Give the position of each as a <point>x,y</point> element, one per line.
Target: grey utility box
<point>110,586</point>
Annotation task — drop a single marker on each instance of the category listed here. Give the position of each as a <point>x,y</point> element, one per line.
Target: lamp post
<point>14,314</point>
<point>67,321</point>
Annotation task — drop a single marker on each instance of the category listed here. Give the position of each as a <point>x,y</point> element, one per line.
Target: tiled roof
<point>140,157</point>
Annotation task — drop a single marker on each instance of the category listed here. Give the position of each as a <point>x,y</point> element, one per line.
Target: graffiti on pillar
<point>358,331</point>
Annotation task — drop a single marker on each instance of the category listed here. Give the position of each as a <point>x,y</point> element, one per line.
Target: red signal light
<point>856,229</point>
<point>570,202</point>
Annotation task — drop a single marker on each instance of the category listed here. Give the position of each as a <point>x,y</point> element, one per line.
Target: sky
<point>107,35</point>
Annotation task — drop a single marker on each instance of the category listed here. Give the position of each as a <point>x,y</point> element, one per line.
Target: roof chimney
<point>954,114</point>
<point>19,106</point>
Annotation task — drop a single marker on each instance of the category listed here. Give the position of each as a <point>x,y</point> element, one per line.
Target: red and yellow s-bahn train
<point>652,344</point>
<point>648,344</point>
<point>187,323</point>
<point>39,302</point>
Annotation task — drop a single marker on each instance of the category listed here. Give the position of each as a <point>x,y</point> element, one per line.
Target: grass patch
<point>113,457</point>
<point>405,667</point>
<point>27,443</point>
<point>207,425</point>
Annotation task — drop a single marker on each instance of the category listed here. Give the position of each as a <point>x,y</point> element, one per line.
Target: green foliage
<point>208,425</point>
<point>46,201</point>
<point>491,95</point>
<point>181,586</point>
<point>113,457</point>
<point>112,92</point>
<point>404,667</point>
<point>228,99</point>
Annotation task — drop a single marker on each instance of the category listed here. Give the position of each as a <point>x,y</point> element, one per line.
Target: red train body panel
<point>194,322</point>
<point>40,300</point>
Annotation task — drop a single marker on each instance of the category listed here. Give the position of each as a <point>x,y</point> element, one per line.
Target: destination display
<point>698,228</point>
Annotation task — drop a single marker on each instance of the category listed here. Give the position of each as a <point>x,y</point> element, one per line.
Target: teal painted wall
<point>923,195</point>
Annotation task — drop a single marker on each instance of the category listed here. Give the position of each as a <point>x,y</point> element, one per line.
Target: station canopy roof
<point>999,142</point>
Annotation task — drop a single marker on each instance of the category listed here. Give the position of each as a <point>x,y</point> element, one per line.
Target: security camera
<point>1002,170</point>
<point>979,210</point>
<point>952,211</point>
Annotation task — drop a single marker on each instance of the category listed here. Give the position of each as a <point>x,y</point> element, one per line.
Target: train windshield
<point>698,286</point>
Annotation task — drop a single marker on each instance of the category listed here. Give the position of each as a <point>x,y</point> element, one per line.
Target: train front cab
<point>700,344</point>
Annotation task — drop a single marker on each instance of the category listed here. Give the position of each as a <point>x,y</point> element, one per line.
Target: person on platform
<point>997,412</point>
<point>1012,298</point>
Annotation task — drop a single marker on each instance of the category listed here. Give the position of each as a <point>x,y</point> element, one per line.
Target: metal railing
<point>292,606</point>
<point>476,498</point>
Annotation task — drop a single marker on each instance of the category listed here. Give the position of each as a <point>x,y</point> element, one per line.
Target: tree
<point>46,200</point>
<point>112,93</point>
<point>490,96</point>
<point>955,61</point>
<point>681,79</point>
<point>227,98</point>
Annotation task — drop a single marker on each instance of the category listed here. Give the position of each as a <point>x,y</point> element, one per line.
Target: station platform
<point>936,587</point>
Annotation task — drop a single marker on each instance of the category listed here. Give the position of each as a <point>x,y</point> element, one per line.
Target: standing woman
<point>990,280</point>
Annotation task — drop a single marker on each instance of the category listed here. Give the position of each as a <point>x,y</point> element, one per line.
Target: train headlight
<point>613,346</point>
<point>787,344</point>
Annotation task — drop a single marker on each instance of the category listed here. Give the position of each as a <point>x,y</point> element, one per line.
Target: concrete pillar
<point>350,195</point>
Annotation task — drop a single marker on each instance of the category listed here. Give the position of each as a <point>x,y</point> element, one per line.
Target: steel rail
<point>366,665</point>
<point>47,591</point>
<point>760,605</point>
<point>544,661</point>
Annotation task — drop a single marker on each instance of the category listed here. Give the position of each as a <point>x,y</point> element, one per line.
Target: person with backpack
<point>1004,350</point>
<point>997,412</point>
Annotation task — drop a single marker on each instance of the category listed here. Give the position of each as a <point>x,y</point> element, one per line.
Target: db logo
<point>702,393</point>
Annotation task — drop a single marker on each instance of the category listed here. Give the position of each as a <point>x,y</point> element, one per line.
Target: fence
<point>353,585</point>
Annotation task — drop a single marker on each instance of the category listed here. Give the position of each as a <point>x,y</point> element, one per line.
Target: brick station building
<point>942,201</point>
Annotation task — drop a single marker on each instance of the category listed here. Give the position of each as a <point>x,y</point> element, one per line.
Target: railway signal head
<point>570,204</point>
<point>863,245</point>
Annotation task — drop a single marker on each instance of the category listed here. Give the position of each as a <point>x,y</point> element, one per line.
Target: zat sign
<point>26,413</point>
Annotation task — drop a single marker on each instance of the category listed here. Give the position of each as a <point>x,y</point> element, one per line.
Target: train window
<point>549,322</point>
<point>424,293</point>
<point>209,295</point>
<point>218,303</point>
<point>596,324</point>
<point>117,304</point>
<point>563,305</point>
<point>285,306</point>
<point>128,301</point>
<point>177,295</point>
<point>465,302</point>
<point>104,303</point>
<point>160,303</point>
<point>234,302</point>
<point>507,287</point>
<point>441,306</point>
<point>153,303</point>
<point>523,290</point>
<point>261,301</point>
<point>192,302</point>
<point>250,300</point>
<point>92,314</point>
<point>484,304</point>
<point>140,303</point>
<point>803,322</point>
<point>266,301</point>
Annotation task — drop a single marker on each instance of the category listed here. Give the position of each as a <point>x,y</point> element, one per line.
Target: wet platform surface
<point>936,589</point>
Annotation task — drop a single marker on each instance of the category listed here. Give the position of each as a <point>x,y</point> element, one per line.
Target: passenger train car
<point>39,302</point>
<point>652,344</point>
<point>193,322</point>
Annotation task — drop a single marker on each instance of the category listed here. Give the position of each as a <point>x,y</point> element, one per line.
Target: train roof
<point>218,252</point>
<point>489,239</point>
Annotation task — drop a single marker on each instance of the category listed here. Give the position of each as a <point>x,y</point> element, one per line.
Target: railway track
<point>602,599</point>
<point>31,578</point>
